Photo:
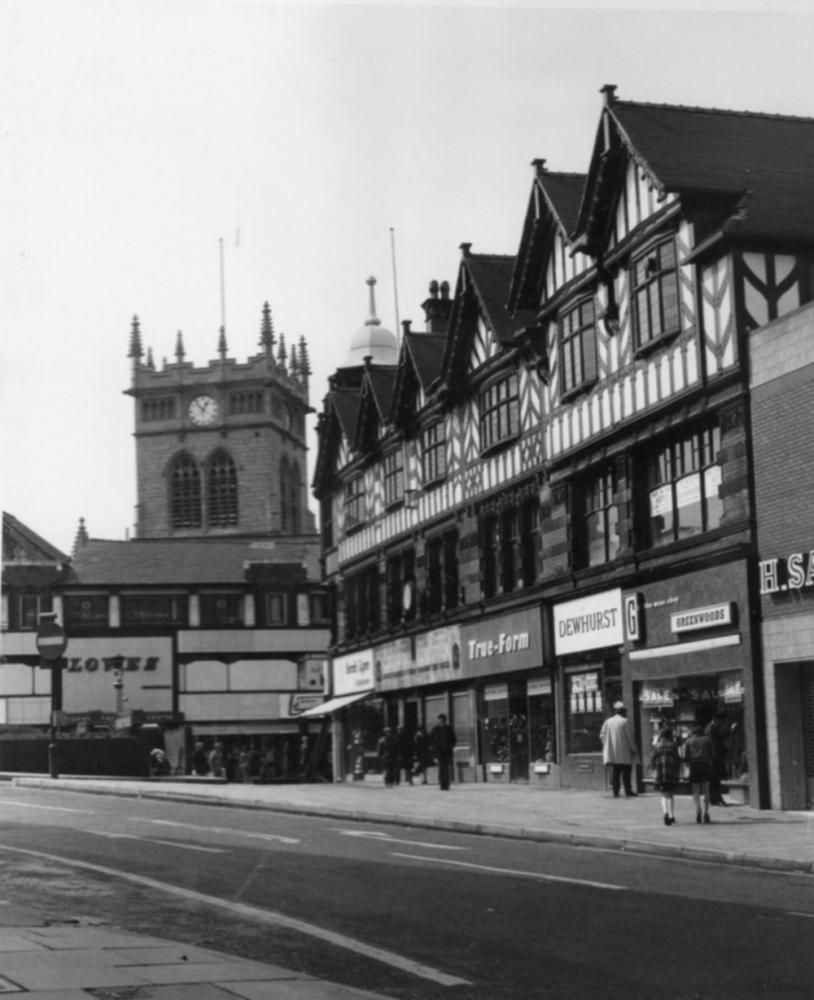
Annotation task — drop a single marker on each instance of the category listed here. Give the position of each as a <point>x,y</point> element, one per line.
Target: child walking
<point>666,765</point>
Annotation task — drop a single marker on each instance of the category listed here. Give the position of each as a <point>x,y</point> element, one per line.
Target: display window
<point>584,712</point>
<point>542,734</point>
<point>706,700</point>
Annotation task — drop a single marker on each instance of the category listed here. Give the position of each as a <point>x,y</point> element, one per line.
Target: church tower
<point>221,449</point>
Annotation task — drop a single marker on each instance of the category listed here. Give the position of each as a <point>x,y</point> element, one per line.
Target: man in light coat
<point>619,749</point>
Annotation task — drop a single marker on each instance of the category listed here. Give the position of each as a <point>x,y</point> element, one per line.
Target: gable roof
<point>23,546</point>
<point>184,562</point>
<point>562,195</point>
<point>757,166</point>
<point>426,351</point>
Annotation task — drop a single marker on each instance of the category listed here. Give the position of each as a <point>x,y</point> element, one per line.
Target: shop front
<point>354,714</point>
<point>786,581</point>
<point>588,637</point>
<point>512,691</point>
<point>688,646</point>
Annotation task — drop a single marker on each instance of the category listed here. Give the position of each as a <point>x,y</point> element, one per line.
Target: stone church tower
<point>221,450</point>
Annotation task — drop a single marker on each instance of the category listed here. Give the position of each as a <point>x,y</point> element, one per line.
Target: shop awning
<point>334,704</point>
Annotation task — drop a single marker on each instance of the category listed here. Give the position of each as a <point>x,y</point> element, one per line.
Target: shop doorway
<point>807,703</point>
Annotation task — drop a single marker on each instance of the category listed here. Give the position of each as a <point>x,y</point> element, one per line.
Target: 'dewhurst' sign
<point>588,623</point>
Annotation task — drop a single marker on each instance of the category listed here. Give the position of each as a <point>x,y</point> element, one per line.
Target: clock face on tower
<point>203,410</point>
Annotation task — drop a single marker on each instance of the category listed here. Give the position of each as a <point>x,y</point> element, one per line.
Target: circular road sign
<point>51,640</point>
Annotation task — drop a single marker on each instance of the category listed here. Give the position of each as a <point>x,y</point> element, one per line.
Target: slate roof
<point>346,406</point>
<point>491,274</point>
<point>185,562</point>
<point>564,195</point>
<point>766,158</point>
<point>22,545</point>
<point>427,353</point>
<point>381,381</point>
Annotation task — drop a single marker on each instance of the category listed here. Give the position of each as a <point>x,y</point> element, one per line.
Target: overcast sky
<point>135,136</point>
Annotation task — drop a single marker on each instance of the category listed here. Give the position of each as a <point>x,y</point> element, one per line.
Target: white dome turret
<point>372,340</point>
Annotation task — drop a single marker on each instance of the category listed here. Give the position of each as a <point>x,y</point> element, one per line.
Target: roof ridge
<point>713,111</point>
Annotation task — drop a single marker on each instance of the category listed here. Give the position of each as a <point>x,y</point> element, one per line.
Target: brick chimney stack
<point>437,308</point>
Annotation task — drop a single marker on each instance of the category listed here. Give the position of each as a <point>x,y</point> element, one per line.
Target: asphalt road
<point>412,913</point>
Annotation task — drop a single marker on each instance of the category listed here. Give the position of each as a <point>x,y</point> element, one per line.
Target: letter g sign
<point>633,617</point>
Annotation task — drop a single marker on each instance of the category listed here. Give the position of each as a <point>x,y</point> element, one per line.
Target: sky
<point>317,144</point>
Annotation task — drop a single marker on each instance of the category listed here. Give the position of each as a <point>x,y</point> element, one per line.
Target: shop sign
<point>588,623</point>
<point>432,657</point>
<point>301,702</point>
<point>657,697</point>
<point>794,572</point>
<point>699,618</point>
<point>498,645</point>
<point>538,686</point>
<point>353,673</point>
<point>144,664</point>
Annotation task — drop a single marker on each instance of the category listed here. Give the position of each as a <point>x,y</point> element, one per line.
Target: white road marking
<point>30,805</point>
<point>264,916</point>
<point>375,835</point>
<point>218,829</point>
<point>152,840</point>
<point>511,871</point>
<point>796,913</point>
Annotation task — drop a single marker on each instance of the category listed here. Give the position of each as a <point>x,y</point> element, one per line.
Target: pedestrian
<point>389,757</point>
<point>619,749</point>
<point>217,761</point>
<point>442,741</point>
<point>718,732</point>
<point>699,753</point>
<point>666,765</point>
<point>422,754</point>
<point>200,761</point>
<point>404,744</point>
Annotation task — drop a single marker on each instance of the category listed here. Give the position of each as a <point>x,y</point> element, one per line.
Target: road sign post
<point>51,643</point>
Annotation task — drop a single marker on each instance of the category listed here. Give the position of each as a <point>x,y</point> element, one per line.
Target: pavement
<point>82,959</point>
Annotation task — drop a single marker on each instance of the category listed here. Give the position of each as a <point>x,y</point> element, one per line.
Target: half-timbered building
<point>576,522</point>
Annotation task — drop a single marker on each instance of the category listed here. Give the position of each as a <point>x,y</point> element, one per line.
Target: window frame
<point>98,616</point>
<point>578,353</point>
<point>668,469</point>
<point>355,512</point>
<point>221,491</point>
<point>24,616</point>
<point>148,615</point>
<point>275,620</point>
<point>186,507</point>
<point>434,452</point>
<point>596,498</point>
<point>393,477</point>
<point>649,287</point>
<point>234,616</point>
<point>499,412</point>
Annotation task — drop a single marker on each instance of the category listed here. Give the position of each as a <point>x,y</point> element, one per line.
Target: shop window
<point>355,502</point>
<point>220,609</point>
<point>542,734</point>
<point>578,347</point>
<point>222,491</point>
<point>29,605</point>
<point>154,609</point>
<point>394,477</point>
<point>584,714</point>
<point>506,728</point>
<point>684,478</point>
<point>276,609</point>
<point>499,410</point>
<point>85,611</point>
<point>185,498</point>
<point>598,519</point>
<point>434,453</point>
<point>531,561</point>
<point>656,308</point>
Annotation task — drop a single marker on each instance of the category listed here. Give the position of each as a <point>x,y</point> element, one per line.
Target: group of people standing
<point>704,752</point>
<point>401,751</point>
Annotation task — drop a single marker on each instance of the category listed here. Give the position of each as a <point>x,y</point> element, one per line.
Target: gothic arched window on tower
<point>185,493</point>
<point>222,491</point>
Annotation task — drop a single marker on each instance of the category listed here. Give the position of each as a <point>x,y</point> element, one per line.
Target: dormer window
<point>434,453</point>
<point>578,347</point>
<point>355,502</point>
<point>394,477</point>
<point>499,412</point>
<point>656,306</point>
